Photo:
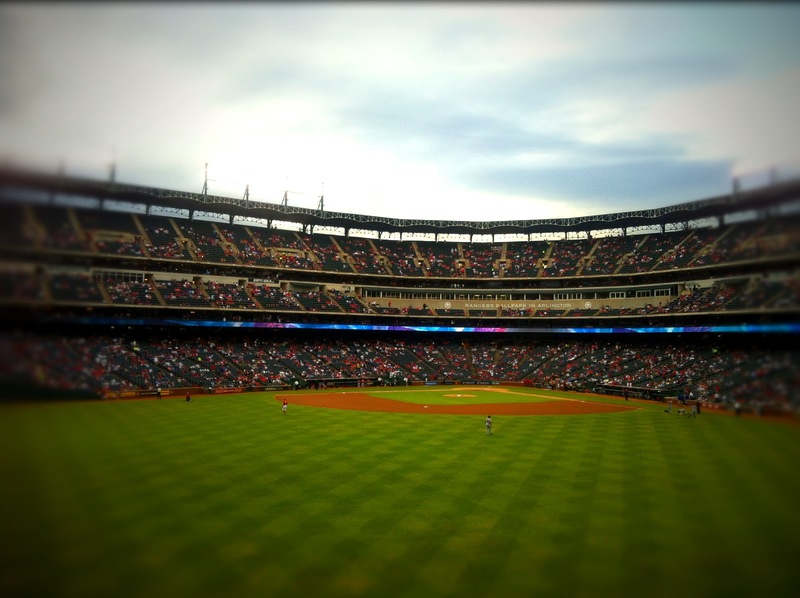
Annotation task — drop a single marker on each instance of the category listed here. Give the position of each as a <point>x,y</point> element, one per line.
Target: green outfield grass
<point>226,496</point>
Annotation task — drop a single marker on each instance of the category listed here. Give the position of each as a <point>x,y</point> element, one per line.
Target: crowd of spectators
<point>78,285</point>
<point>209,246</point>
<point>99,362</point>
<point>524,258</point>
<point>317,301</point>
<point>229,295</point>
<point>348,303</point>
<point>182,293</point>
<point>565,257</point>
<point>712,372</point>
<point>277,238</point>
<point>403,260</point>
<point>364,259</point>
<point>608,254</point>
<point>483,261</point>
<point>163,243</point>
<point>272,297</point>
<point>142,236</point>
<point>132,247</point>
<point>252,254</point>
<point>328,254</point>
<point>440,259</point>
<point>131,292</point>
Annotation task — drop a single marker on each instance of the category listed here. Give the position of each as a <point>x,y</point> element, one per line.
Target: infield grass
<point>476,395</point>
<point>226,496</point>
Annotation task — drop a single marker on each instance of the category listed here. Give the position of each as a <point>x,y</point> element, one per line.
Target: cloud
<point>753,123</point>
<point>566,106</point>
<point>618,186</point>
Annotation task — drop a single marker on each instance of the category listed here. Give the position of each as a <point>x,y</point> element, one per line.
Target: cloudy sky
<point>457,111</point>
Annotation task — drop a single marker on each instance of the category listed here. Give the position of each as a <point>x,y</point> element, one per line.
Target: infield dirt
<point>361,401</point>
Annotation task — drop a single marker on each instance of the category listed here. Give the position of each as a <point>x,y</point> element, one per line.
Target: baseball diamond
<point>363,401</point>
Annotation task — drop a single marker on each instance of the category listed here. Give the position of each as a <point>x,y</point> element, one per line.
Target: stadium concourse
<point>117,290</point>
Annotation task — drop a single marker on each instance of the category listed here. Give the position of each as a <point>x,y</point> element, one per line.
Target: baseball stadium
<point>213,396</point>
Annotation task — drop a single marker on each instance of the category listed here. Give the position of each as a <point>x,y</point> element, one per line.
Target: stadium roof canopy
<point>765,200</point>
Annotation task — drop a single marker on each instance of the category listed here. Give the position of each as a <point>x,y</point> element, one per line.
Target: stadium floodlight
<point>204,192</point>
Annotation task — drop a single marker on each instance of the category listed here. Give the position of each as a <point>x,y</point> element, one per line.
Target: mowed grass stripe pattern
<point>227,496</point>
